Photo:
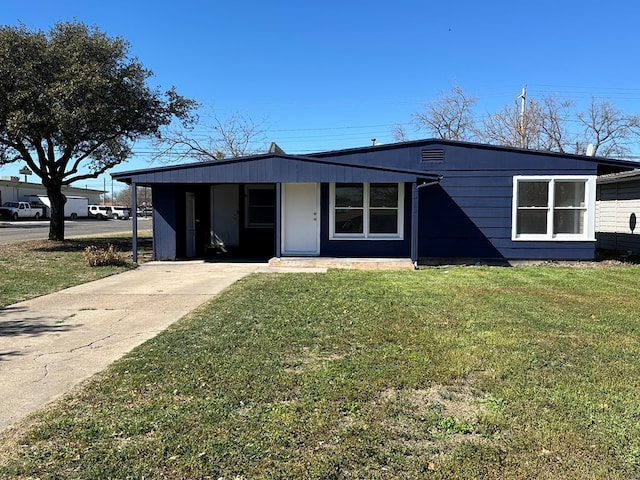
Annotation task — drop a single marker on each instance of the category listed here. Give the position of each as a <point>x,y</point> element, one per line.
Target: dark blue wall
<point>468,216</point>
<point>364,248</point>
<point>164,199</point>
<point>263,169</point>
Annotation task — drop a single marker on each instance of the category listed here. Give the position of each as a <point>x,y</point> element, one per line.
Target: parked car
<point>145,212</point>
<point>16,210</point>
<point>121,212</point>
<point>101,212</point>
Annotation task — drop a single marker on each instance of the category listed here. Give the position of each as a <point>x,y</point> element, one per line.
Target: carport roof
<point>272,168</point>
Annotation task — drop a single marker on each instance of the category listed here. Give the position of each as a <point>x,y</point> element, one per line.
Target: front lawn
<point>511,373</point>
<point>33,268</point>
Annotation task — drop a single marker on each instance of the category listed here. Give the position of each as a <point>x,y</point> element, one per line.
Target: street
<point>21,230</point>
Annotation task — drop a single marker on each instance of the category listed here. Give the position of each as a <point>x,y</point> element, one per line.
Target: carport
<point>272,205</point>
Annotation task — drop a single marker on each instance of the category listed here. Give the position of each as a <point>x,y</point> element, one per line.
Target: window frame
<point>589,208</point>
<point>366,234</point>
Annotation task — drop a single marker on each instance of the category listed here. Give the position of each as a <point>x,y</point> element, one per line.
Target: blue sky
<point>333,74</point>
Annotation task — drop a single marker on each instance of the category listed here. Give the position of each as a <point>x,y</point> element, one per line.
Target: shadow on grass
<point>122,244</point>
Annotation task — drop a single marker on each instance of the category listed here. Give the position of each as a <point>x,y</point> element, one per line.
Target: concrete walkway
<point>52,343</point>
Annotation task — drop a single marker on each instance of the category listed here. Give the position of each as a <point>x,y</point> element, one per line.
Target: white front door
<point>191,224</point>
<point>225,212</point>
<point>300,219</point>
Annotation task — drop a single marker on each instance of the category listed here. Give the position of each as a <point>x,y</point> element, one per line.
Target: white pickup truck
<point>16,210</point>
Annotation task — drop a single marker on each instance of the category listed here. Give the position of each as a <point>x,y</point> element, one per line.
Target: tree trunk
<point>56,224</point>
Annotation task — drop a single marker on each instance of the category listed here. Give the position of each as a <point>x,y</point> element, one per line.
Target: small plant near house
<point>38,267</point>
<point>99,257</point>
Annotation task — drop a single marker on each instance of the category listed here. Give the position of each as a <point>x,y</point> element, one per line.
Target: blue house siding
<point>364,248</point>
<point>470,216</point>
<point>165,239</point>
<point>273,170</point>
<point>485,161</point>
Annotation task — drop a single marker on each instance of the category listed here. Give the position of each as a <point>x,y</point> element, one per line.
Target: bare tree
<point>512,128</point>
<point>608,129</point>
<point>555,134</point>
<point>143,194</point>
<point>542,125</point>
<point>399,133</point>
<point>547,124</point>
<point>449,117</point>
<point>233,137</point>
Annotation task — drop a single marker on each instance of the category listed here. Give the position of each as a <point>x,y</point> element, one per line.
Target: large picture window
<point>553,208</point>
<point>366,210</point>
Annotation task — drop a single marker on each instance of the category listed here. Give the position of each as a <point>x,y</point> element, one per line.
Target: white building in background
<point>617,211</point>
<point>14,190</point>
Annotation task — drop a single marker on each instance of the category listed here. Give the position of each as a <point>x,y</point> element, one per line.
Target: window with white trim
<point>366,210</point>
<point>553,208</point>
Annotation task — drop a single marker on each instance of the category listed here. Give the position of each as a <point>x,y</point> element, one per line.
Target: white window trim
<point>590,206</point>
<point>365,235</point>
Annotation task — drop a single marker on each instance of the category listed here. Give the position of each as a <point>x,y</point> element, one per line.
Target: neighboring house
<point>13,190</point>
<point>617,211</point>
<point>433,201</point>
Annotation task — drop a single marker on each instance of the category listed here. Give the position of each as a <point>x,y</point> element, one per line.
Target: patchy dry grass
<point>33,268</point>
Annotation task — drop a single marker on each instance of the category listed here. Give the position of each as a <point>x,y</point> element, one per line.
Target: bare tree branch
<point>608,129</point>
<point>399,133</point>
<point>555,134</point>
<point>547,124</point>
<point>233,137</point>
<point>449,117</point>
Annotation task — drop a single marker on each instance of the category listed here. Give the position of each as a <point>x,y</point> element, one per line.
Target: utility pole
<point>523,97</point>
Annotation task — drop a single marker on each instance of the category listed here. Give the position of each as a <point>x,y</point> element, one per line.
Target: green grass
<point>515,373</point>
<point>34,268</point>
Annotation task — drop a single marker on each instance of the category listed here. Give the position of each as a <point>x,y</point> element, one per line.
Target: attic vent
<point>432,155</point>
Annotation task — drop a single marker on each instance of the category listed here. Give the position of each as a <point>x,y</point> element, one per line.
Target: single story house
<point>433,201</point>
<point>617,210</point>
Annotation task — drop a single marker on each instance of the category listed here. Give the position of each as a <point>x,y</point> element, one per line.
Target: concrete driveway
<point>52,343</point>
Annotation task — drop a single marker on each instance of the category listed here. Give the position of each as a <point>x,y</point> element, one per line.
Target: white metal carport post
<point>134,222</point>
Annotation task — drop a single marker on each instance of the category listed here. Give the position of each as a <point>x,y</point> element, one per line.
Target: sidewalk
<point>52,343</point>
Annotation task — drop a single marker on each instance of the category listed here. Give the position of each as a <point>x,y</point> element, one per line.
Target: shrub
<point>99,257</point>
